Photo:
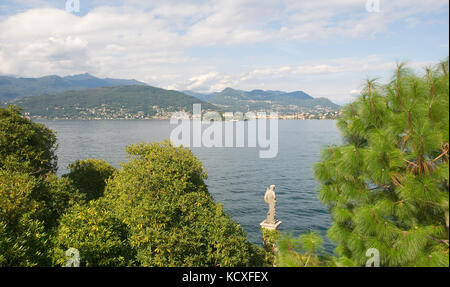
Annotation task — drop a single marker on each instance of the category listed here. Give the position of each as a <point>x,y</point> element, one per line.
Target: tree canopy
<point>25,145</point>
<point>170,217</point>
<point>387,185</point>
<point>89,176</point>
<point>30,208</point>
<point>32,198</point>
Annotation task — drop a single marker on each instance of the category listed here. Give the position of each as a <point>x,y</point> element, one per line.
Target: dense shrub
<point>89,176</point>
<point>24,145</point>
<point>32,198</point>
<point>23,239</point>
<point>161,196</point>
<point>100,238</point>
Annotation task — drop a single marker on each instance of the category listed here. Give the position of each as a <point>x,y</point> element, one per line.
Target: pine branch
<point>307,260</point>
<point>439,240</point>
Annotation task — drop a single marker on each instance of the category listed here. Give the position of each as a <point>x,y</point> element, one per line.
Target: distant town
<point>107,113</point>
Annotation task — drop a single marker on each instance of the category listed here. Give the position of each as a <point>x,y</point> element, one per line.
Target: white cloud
<point>210,82</point>
<point>152,41</point>
<point>355,92</point>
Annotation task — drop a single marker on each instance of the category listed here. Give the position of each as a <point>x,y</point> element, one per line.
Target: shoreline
<point>158,119</point>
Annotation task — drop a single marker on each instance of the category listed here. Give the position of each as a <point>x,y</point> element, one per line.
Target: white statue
<point>271,200</point>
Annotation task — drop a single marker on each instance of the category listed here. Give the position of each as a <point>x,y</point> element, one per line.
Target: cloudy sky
<point>325,48</point>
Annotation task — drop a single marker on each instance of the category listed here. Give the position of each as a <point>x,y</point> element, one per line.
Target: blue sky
<point>325,48</point>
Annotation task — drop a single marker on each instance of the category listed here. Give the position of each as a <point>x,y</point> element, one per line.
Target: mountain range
<point>254,94</point>
<point>237,100</point>
<point>12,88</point>
<point>86,96</point>
<point>137,101</point>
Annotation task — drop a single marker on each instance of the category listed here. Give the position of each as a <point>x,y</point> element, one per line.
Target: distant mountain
<point>203,97</point>
<point>83,95</point>
<point>88,81</point>
<point>276,95</point>
<point>110,102</point>
<point>237,100</point>
<point>15,88</point>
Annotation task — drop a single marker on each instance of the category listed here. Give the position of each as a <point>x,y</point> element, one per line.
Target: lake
<point>237,177</point>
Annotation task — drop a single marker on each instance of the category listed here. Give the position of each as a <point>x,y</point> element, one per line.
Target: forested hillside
<point>110,102</point>
<point>236,100</point>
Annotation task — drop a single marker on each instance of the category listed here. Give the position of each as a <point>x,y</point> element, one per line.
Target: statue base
<point>270,226</point>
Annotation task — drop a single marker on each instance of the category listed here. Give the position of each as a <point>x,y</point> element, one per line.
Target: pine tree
<point>306,250</point>
<point>387,184</point>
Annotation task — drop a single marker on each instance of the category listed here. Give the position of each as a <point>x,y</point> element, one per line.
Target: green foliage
<point>387,186</point>
<point>109,102</point>
<point>156,212</point>
<point>29,211</point>
<point>25,145</point>
<point>23,240</point>
<point>241,101</point>
<point>173,221</point>
<point>89,176</point>
<point>270,241</point>
<point>305,250</point>
<point>56,195</point>
<point>26,244</point>
<point>32,198</point>
<point>97,234</point>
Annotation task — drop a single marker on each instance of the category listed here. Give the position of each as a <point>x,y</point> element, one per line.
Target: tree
<point>25,145</point>
<point>173,221</point>
<point>99,236</point>
<point>32,198</point>
<point>23,240</point>
<point>156,212</point>
<point>306,250</point>
<point>387,185</point>
<point>30,208</point>
<point>89,176</point>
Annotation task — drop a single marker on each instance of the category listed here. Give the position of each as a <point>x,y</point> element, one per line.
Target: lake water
<point>237,177</point>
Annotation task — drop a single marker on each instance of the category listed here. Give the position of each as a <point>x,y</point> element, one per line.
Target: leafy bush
<point>270,244</point>
<point>97,234</point>
<point>173,221</point>
<point>89,176</point>
<point>23,240</point>
<point>24,145</point>
<point>30,208</point>
<point>32,198</point>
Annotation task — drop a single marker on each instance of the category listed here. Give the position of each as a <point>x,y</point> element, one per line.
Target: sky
<point>326,48</point>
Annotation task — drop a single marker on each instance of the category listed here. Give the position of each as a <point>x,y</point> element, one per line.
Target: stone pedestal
<point>270,226</point>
